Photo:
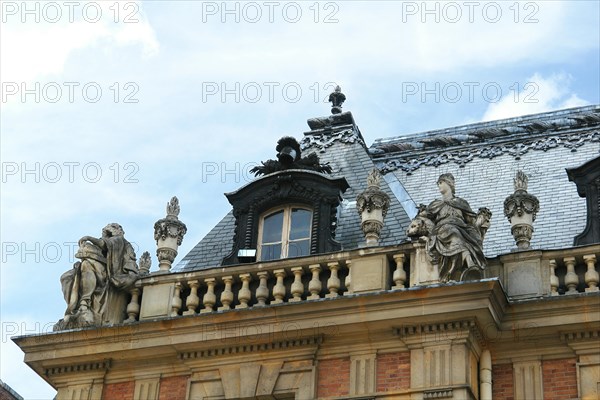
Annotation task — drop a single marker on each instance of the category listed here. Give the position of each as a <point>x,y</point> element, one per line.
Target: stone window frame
<point>285,231</point>
<point>308,189</point>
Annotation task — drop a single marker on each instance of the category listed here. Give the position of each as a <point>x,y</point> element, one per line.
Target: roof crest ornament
<point>337,98</point>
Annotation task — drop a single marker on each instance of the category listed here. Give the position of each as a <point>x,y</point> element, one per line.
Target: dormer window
<point>291,211</point>
<point>284,233</point>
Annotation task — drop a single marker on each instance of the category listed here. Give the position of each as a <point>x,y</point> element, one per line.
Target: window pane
<point>298,248</point>
<point>272,228</point>
<point>270,252</point>
<point>300,227</point>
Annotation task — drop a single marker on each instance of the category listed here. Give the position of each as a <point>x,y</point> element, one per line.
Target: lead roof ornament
<point>337,98</point>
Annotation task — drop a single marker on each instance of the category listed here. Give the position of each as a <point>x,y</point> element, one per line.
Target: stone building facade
<point>324,281</point>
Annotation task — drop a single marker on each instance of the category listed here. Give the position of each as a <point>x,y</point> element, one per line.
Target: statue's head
<point>448,179</point>
<point>113,229</point>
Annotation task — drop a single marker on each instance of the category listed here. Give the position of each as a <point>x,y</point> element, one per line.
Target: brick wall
<point>333,378</point>
<point>559,379</point>
<point>487,182</point>
<point>173,388</point>
<point>393,371</point>
<point>502,382</point>
<point>119,391</point>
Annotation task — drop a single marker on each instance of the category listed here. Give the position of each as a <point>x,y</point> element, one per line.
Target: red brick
<point>559,379</point>
<point>502,382</point>
<point>393,371</point>
<point>119,391</point>
<point>173,388</point>
<point>333,378</point>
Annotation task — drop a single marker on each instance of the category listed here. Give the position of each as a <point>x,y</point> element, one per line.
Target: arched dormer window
<point>272,199</point>
<point>284,232</point>
<point>290,211</point>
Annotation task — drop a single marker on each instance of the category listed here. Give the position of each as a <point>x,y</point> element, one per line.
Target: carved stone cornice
<point>582,342</point>
<point>438,394</point>
<point>578,336</point>
<point>410,161</point>
<point>440,331</point>
<point>251,348</point>
<point>103,365</point>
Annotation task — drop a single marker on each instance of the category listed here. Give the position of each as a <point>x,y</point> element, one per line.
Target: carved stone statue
<point>96,288</point>
<point>453,233</point>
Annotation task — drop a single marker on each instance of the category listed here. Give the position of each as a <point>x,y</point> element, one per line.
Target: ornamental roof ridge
<point>485,132</point>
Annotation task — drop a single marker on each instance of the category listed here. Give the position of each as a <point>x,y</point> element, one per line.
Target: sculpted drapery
<point>452,231</point>
<point>95,289</point>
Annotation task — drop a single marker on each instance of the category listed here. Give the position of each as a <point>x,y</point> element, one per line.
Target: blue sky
<point>140,101</point>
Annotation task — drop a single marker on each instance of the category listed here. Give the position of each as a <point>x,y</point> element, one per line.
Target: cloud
<point>35,49</point>
<point>539,94</point>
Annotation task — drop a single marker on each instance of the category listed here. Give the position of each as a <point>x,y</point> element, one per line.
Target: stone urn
<point>168,233</point>
<point>521,208</point>
<point>372,206</point>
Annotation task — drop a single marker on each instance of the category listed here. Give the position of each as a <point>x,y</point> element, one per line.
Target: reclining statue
<point>96,289</point>
<point>453,233</point>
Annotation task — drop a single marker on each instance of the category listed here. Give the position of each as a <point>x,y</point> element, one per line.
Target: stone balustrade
<point>264,283</point>
<point>574,273</point>
<point>524,274</point>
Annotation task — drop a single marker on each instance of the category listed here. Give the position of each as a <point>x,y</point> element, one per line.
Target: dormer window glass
<point>284,233</point>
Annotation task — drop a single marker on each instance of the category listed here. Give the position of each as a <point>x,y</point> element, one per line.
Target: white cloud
<point>538,95</point>
<point>33,49</point>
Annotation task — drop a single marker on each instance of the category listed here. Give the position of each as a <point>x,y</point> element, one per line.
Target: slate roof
<point>342,146</point>
<point>484,158</point>
<point>412,163</point>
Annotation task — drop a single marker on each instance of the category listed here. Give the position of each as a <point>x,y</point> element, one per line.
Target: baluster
<point>591,275</point>
<point>297,286</point>
<point>571,279</point>
<point>553,279</point>
<point>227,294</point>
<point>133,308</point>
<point>244,295</point>
<point>333,283</point>
<point>209,298</point>
<point>348,281</point>
<point>193,301</point>
<point>399,276</point>
<point>262,292</point>
<point>279,288</point>
<point>315,286</point>
<point>176,302</point>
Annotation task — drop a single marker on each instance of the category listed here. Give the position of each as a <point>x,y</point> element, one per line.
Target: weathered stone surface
<point>96,288</point>
<point>453,233</point>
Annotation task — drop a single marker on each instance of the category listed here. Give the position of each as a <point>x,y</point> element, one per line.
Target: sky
<point>109,108</point>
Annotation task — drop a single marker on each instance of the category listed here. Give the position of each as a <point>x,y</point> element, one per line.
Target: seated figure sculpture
<point>96,288</point>
<point>453,233</point>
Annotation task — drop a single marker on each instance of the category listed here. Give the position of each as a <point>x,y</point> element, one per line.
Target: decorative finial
<point>168,233</point>
<point>173,207</point>
<point>521,209</point>
<point>521,181</point>
<point>372,206</point>
<point>145,263</point>
<point>336,99</point>
<point>374,178</point>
